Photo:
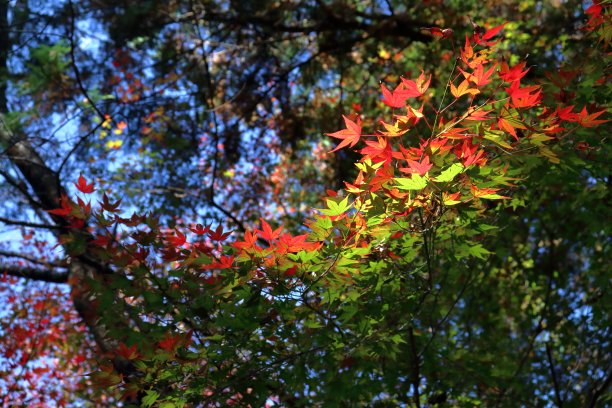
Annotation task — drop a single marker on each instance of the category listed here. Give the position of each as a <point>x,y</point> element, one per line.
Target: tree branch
<point>27,223</point>
<point>38,274</point>
<point>32,259</point>
<point>553,374</point>
<point>598,392</point>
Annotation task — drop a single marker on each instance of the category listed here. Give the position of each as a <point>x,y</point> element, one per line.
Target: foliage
<point>439,275</point>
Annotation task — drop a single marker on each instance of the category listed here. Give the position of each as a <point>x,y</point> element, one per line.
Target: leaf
<point>177,240</point>
<point>450,199</point>
<point>336,208</point>
<point>416,182</point>
<point>418,87</point>
<point>512,74</point>
<point>488,193</point>
<point>267,233</point>
<point>421,168</point>
<point>464,88</point>
<point>396,98</point>
<point>469,249</point>
<point>218,234</point>
<point>149,399</point>
<point>450,173</point>
<point>497,137</point>
<point>493,32</point>
<point>479,77</point>
<point>350,136</point>
<point>83,187</point>
<point>510,123</point>
<point>392,130</point>
<point>588,120</point>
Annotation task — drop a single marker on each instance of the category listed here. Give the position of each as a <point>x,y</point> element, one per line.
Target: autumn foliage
<point>340,309</point>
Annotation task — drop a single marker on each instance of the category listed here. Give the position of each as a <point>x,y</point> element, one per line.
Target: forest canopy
<point>305,203</point>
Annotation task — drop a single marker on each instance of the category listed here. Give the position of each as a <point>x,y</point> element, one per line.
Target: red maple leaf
<point>250,241</point>
<point>589,119</point>
<point>199,229</point>
<point>129,353</point>
<point>267,233</point>
<point>512,74</point>
<point>169,342</point>
<point>396,98</point>
<point>108,206</point>
<point>64,210</point>
<point>298,243</point>
<point>525,97</point>
<point>350,135</point>
<point>479,77</point>
<point>176,240</point>
<point>224,262</point>
<point>421,168</point>
<point>218,234</point>
<point>378,151</point>
<point>418,87</point>
<point>484,40</point>
<point>83,186</point>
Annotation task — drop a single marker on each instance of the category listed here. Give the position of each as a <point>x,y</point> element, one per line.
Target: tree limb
<point>38,274</point>
<point>32,259</point>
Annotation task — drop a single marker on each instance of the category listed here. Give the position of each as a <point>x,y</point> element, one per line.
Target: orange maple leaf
<point>350,136</point>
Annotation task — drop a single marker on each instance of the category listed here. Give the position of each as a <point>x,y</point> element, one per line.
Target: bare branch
<point>43,275</point>
<point>553,374</point>
<point>27,223</point>
<point>32,259</point>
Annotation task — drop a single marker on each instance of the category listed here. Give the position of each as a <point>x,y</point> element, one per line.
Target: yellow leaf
<point>114,144</point>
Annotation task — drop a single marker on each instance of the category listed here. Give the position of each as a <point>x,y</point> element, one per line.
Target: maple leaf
<point>484,40</point>
<point>456,133</point>
<point>377,151</point>
<point>412,117</point>
<point>83,187</point>
<point>489,193</point>
<point>267,233</point>
<point>224,262</point>
<point>479,77</point>
<point>129,353</point>
<point>464,88</point>
<point>467,52</point>
<point>200,229</point>
<point>523,97</point>
<point>595,18</point>
<point>396,98</point>
<point>350,135</point>
<point>450,199</point>
<point>421,168</point>
<point>566,114</point>
<point>418,87</point>
<point>169,342</point>
<point>108,206</point>
<point>290,272</point>
<point>470,154</point>
<point>392,130</point>
<point>476,115</point>
<point>589,120</point>
<point>65,209</point>
<point>250,241</point>
<point>218,234</point>
<point>510,124</point>
<point>512,74</point>
<point>177,240</point>
<point>297,243</point>
<point>438,145</point>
